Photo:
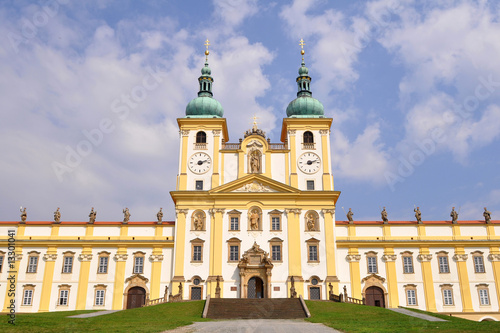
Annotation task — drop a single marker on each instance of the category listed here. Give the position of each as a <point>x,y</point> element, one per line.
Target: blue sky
<point>413,88</point>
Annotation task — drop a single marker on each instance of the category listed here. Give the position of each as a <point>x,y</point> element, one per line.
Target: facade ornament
<point>424,257</point>
<point>126,215</point>
<point>460,257</point>
<point>255,162</point>
<point>120,257</point>
<point>328,211</point>
<point>216,132</point>
<point>494,256</point>
<point>487,215</point>
<point>217,287</point>
<point>418,215</point>
<point>85,257</point>
<point>159,216</point>
<point>293,210</point>
<point>198,221</point>
<point>254,219</point>
<point>57,216</point>
<point>454,216</point>
<point>50,256</point>
<point>383,213</point>
<point>181,211</point>
<point>349,216</point>
<point>24,215</point>
<point>18,257</point>
<point>292,132</point>
<point>353,257</point>
<point>293,293</point>
<point>324,131</point>
<point>311,222</point>
<point>389,257</point>
<point>92,216</point>
<point>184,132</point>
<point>254,187</point>
<point>156,257</point>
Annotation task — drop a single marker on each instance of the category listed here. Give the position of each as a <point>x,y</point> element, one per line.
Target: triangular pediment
<point>254,183</point>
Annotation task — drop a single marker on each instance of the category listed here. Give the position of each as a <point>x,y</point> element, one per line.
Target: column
<point>121,260</point>
<point>48,276</point>
<point>215,174</point>
<point>12,270</point>
<point>463,276</point>
<point>353,258</point>
<point>156,259</point>
<point>294,181</point>
<point>392,279</point>
<point>180,246</point>
<point>216,243</point>
<point>85,259</point>
<point>494,256</point>
<point>184,147</point>
<point>425,258</point>
<point>331,249</point>
<point>327,178</point>
<point>294,249</point>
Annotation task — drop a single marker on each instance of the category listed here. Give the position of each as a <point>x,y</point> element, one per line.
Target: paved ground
<point>417,315</point>
<point>255,325</point>
<point>93,314</point>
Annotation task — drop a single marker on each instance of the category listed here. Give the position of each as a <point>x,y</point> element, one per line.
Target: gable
<point>254,183</point>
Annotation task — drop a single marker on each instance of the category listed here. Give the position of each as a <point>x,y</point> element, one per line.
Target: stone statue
<point>159,216</point>
<point>92,216</point>
<point>165,294</point>
<point>293,293</point>
<point>126,216</point>
<point>384,216</point>
<point>454,215</point>
<point>254,162</point>
<point>198,222</point>
<point>331,288</point>
<point>180,289</point>
<point>311,222</point>
<point>57,216</point>
<point>349,215</point>
<point>24,215</point>
<point>418,214</point>
<point>217,287</point>
<point>345,293</point>
<point>254,219</point>
<point>487,215</point>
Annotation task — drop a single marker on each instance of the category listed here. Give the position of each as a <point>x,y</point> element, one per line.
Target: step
<point>271,308</point>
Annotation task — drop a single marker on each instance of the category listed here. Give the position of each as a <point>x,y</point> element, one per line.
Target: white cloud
<point>234,12</point>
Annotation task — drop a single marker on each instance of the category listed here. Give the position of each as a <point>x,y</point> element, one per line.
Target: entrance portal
<point>136,297</point>
<point>255,288</point>
<point>374,296</point>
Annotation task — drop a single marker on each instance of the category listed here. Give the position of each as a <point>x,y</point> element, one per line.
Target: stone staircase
<point>260,308</point>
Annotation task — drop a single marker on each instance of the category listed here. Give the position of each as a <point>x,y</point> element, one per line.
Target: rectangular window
<point>197,253</point>
<point>372,264</point>
<point>478,264</point>
<point>99,297</point>
<point>411,297</point>
<point>63,297</point>
<point>275,223</point>
<point>33,262</point>
<point>443,264</point>
<point>483,297</point>
<point>1,263</point>
<point>448,297</point>
<point>199,185</point>
<point>313,253</point>
<point>408,265</point>
<point>138,265</point>
<point>235,223</point>
<point>68,265</point>
<point>28,297</point>
<point>234,253</point>
<point>310,185</point>
<point>103,265</point>
<point>276,252</point>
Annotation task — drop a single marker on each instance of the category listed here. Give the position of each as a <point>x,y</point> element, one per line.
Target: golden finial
<point>255,122</point>
<point>302,46</point>
<point>207,44</point>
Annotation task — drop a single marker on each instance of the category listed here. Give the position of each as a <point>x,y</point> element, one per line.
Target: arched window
<point>308,137</point>
<point>201,137</point>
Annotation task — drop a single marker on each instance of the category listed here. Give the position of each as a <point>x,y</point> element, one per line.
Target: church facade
<point>254,219</point>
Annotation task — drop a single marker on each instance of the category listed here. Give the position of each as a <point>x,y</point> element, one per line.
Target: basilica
<point>254,219</point>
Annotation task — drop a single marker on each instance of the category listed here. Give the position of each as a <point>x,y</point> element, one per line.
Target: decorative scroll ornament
<point>50,256</point>
<point>494,256</point>
<point>424,257</point>
<point>254,187</point>
<point>353,257</point>
<point>121,257</point>
<point>389,257</point>
<point>460,257</point>
<point>85,256</point>
<point>181,211</point>
<point>156,257</point>
<point>328,211</point>
<point>293,210</point>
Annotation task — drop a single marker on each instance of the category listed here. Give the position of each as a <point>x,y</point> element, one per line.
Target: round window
<point>314,282</point>
<point>196,281</point>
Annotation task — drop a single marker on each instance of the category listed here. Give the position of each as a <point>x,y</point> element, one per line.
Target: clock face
<point>200,163</point>
<point>309,162</point>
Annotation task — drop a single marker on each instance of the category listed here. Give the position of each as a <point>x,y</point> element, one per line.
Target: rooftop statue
<point>126,216</point>
<point>418,214</point>
<point>57,216</point>
<point>24,215</point>
<point>454,215</point>
<point>349,215</point>
<point>92,216</point>
<point>384,215</point>
<point>159,216</point>
<point>487,215</point>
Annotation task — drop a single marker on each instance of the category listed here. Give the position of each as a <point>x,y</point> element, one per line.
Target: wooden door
<point>374,296</point>
<point>136,297</point>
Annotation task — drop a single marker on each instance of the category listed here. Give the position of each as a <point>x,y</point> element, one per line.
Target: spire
<point>205,79</point>
<point>303,80</point>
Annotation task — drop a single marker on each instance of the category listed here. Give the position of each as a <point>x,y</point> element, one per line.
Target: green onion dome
<point>305,105</point>
<point>205,106</point>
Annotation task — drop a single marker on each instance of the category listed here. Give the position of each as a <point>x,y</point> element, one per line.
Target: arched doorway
<point>374,296</point>
<point>255,288</point>
<point>136,297</point>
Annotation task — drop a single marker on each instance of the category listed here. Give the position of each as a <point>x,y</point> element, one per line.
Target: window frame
<point>275,214</point>
<point>479,267</point>
<point>483,289</point>
<point>408,267</point>
<point>28,288</point>
<point>196,183</point>
<point>234,214</point>
<point>98,289</point>
<point>138,256</point>
<point>195,243</point>
<point>202,138</point>
<point>2,260</point>
<point>447,288</point>
<point>233,242</point>
<point>279,243</point>
<point>308,182</point>
<point>308,139</point>
<point>63,289</point>
<point>411,295</point>
<point>68,268</point>
<point>313,243</point>
<point>32,268</point>
<point>371,256</point>
<point>103,255</point>
<point>443,254</point>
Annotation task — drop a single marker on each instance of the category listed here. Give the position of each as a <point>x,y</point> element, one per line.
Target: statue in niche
<point>454,215</point>
<point>255,161</point>
<point>311,222</point>
<point>418,214</point>
<point>198,222</point>
<point>57,216</point>
<point>487,215</point>
<point>349,215</point>
<point>126,216</point>
<point>254,219</point>
<point>92,216</point>
<point>159,216</point>
<point>384,215</point>
<point>24,215</point>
